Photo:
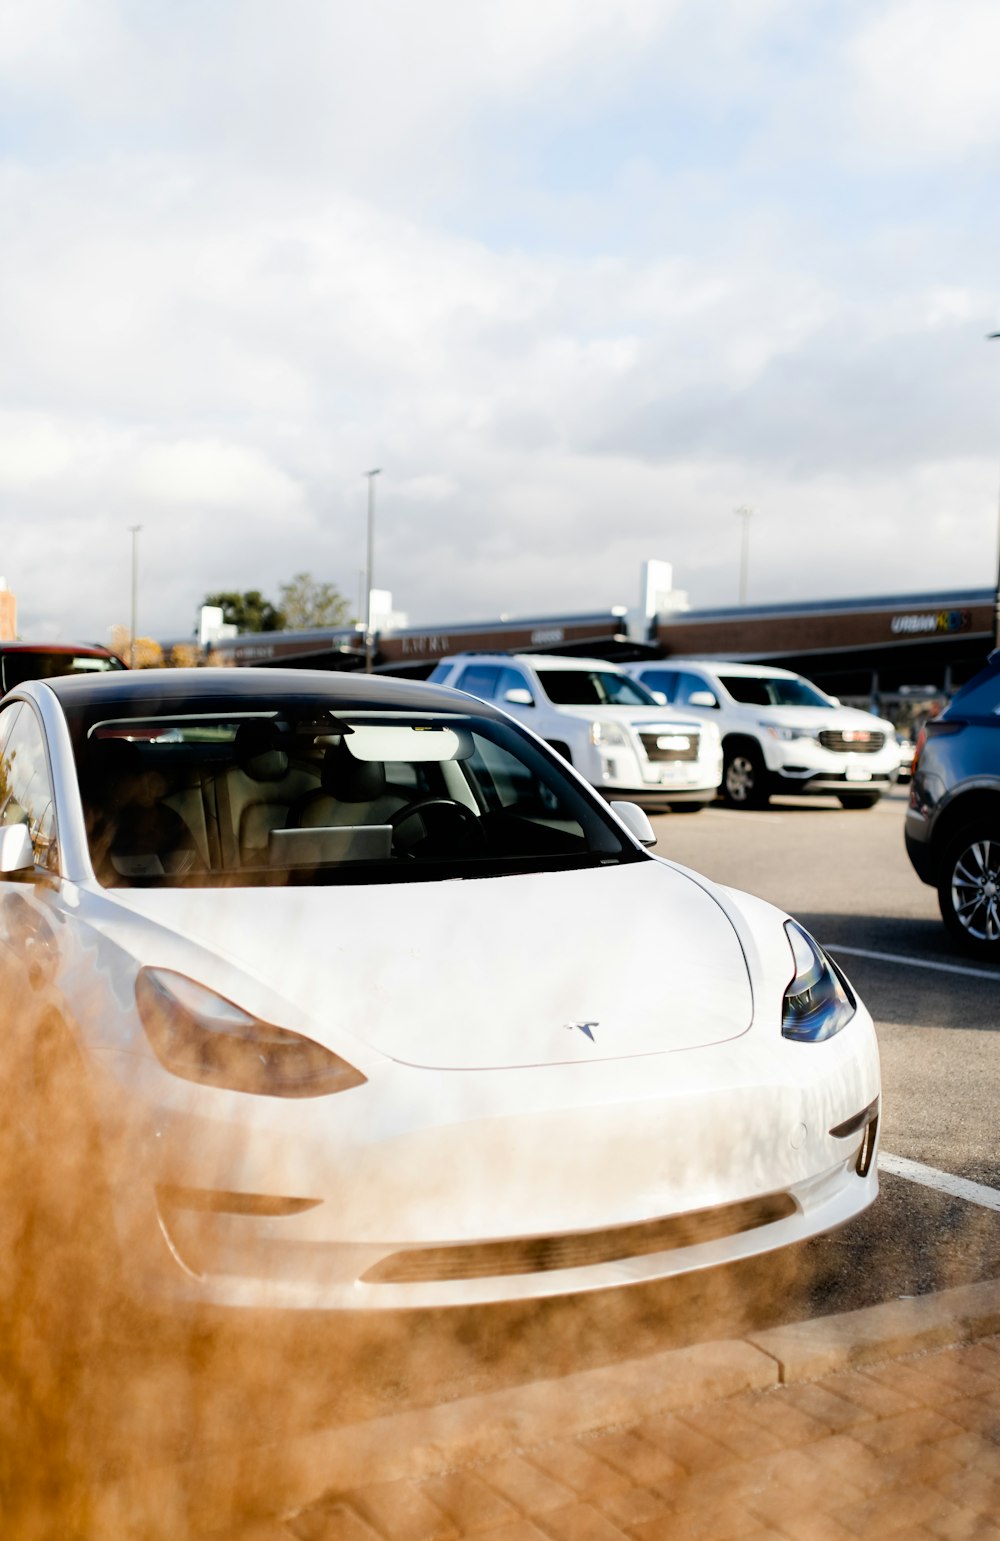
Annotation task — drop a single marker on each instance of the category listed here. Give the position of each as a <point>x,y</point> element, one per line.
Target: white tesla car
<point>359,997</point>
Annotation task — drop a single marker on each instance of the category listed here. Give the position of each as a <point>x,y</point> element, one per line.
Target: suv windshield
<point>764,690</point>
<point>298,792</point>
<point>593,687</point>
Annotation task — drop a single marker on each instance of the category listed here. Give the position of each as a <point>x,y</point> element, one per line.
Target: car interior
<point>168,799</point>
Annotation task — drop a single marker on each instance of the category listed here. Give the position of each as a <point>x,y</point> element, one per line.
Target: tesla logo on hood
<point>584,1027</point>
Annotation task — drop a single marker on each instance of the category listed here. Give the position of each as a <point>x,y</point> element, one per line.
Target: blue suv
<point>953,821</point>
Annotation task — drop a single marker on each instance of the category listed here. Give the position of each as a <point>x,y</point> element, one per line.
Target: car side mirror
<point>660,696</point>
<point>519,697</point>
<point>16,851</point>
<point>702,698</point>
<point>834,700</point>
<point>635,821</point>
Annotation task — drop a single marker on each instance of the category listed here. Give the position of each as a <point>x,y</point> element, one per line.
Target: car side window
<point>687,684</point>
<point>8,717</point>
<point>479,680</point>
<point>25,787</point>
<point>747,690</point>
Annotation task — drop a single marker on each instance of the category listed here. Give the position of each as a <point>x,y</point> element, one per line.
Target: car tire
<point>685,807</point>
<point>969,889</point>
<point>561,748</point>
<point>858,799</point>
<point>744,777</point>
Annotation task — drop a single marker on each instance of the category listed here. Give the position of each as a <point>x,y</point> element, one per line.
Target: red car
<point>21,661</point>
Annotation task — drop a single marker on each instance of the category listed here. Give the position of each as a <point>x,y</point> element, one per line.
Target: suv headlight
<point>818,1000</point>
<point>607,735</point>
<point>203,1037</point>
<point>781,731</point>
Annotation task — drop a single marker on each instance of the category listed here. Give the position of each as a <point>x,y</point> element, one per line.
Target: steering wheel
<point>461,820</point>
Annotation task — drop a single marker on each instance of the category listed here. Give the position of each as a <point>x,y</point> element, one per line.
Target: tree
<point>148,652</point>
<point>249,611</point>
<point>305,602</point>
<point>183,655</point>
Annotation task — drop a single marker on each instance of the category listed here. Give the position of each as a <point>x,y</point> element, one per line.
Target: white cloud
<point>926,78</point>
<point>211,475</point>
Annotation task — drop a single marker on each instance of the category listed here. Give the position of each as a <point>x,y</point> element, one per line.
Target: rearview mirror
<point>16,851</point>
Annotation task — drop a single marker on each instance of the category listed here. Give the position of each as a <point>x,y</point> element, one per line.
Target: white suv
<point>780,733</point>
<point>607,726</point>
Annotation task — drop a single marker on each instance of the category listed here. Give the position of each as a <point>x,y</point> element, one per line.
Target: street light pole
<point>134,529</point>
<point>996,596</point>
<point>745,513</point>
<point>369,570</point>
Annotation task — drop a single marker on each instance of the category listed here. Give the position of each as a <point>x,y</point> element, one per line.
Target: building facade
<point>8,614</point>
<point>868,650</point>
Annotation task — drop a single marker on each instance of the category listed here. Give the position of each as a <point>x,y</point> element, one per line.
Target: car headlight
<point>607,734</point>
<point>201,1036</point>
<point>818,1000</point>
<point>779,730</point>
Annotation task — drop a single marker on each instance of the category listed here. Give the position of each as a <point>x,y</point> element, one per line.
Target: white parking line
<point>897,957</point>
<point>944,1182</point>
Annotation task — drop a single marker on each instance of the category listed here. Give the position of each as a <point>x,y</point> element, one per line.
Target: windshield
<point>42,663</point>
<point>593,687</point>
<point>293,793</point>
<point>762,690</point>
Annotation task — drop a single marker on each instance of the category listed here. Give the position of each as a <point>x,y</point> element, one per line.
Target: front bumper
<point>626,772</point>
<point>228,1266</point>
<point>824,783</point>
<point>804,766</point>
<point>306,1205</point>
<point>916,838</point>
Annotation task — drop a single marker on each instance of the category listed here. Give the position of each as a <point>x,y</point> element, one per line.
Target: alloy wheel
<point>744,779</point>
<point>975,890</point>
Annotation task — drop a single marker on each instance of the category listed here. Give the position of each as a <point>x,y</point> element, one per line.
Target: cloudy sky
<point>581,276</point>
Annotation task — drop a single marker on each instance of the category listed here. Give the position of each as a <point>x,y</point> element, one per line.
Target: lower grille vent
<point>577,1249</point>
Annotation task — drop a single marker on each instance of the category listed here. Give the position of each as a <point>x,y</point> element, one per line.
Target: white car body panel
<point>346,979</point>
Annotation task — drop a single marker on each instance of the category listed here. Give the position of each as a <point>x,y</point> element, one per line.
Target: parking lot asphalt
<point>884,1420</point>
<point>295,1432</point>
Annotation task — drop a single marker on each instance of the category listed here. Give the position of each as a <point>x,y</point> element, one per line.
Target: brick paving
<point>909,1448</point>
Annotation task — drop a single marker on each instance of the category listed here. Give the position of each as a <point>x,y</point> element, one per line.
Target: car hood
<point>549,968</point>
<point>641,718</point>
<point>815,719</point>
